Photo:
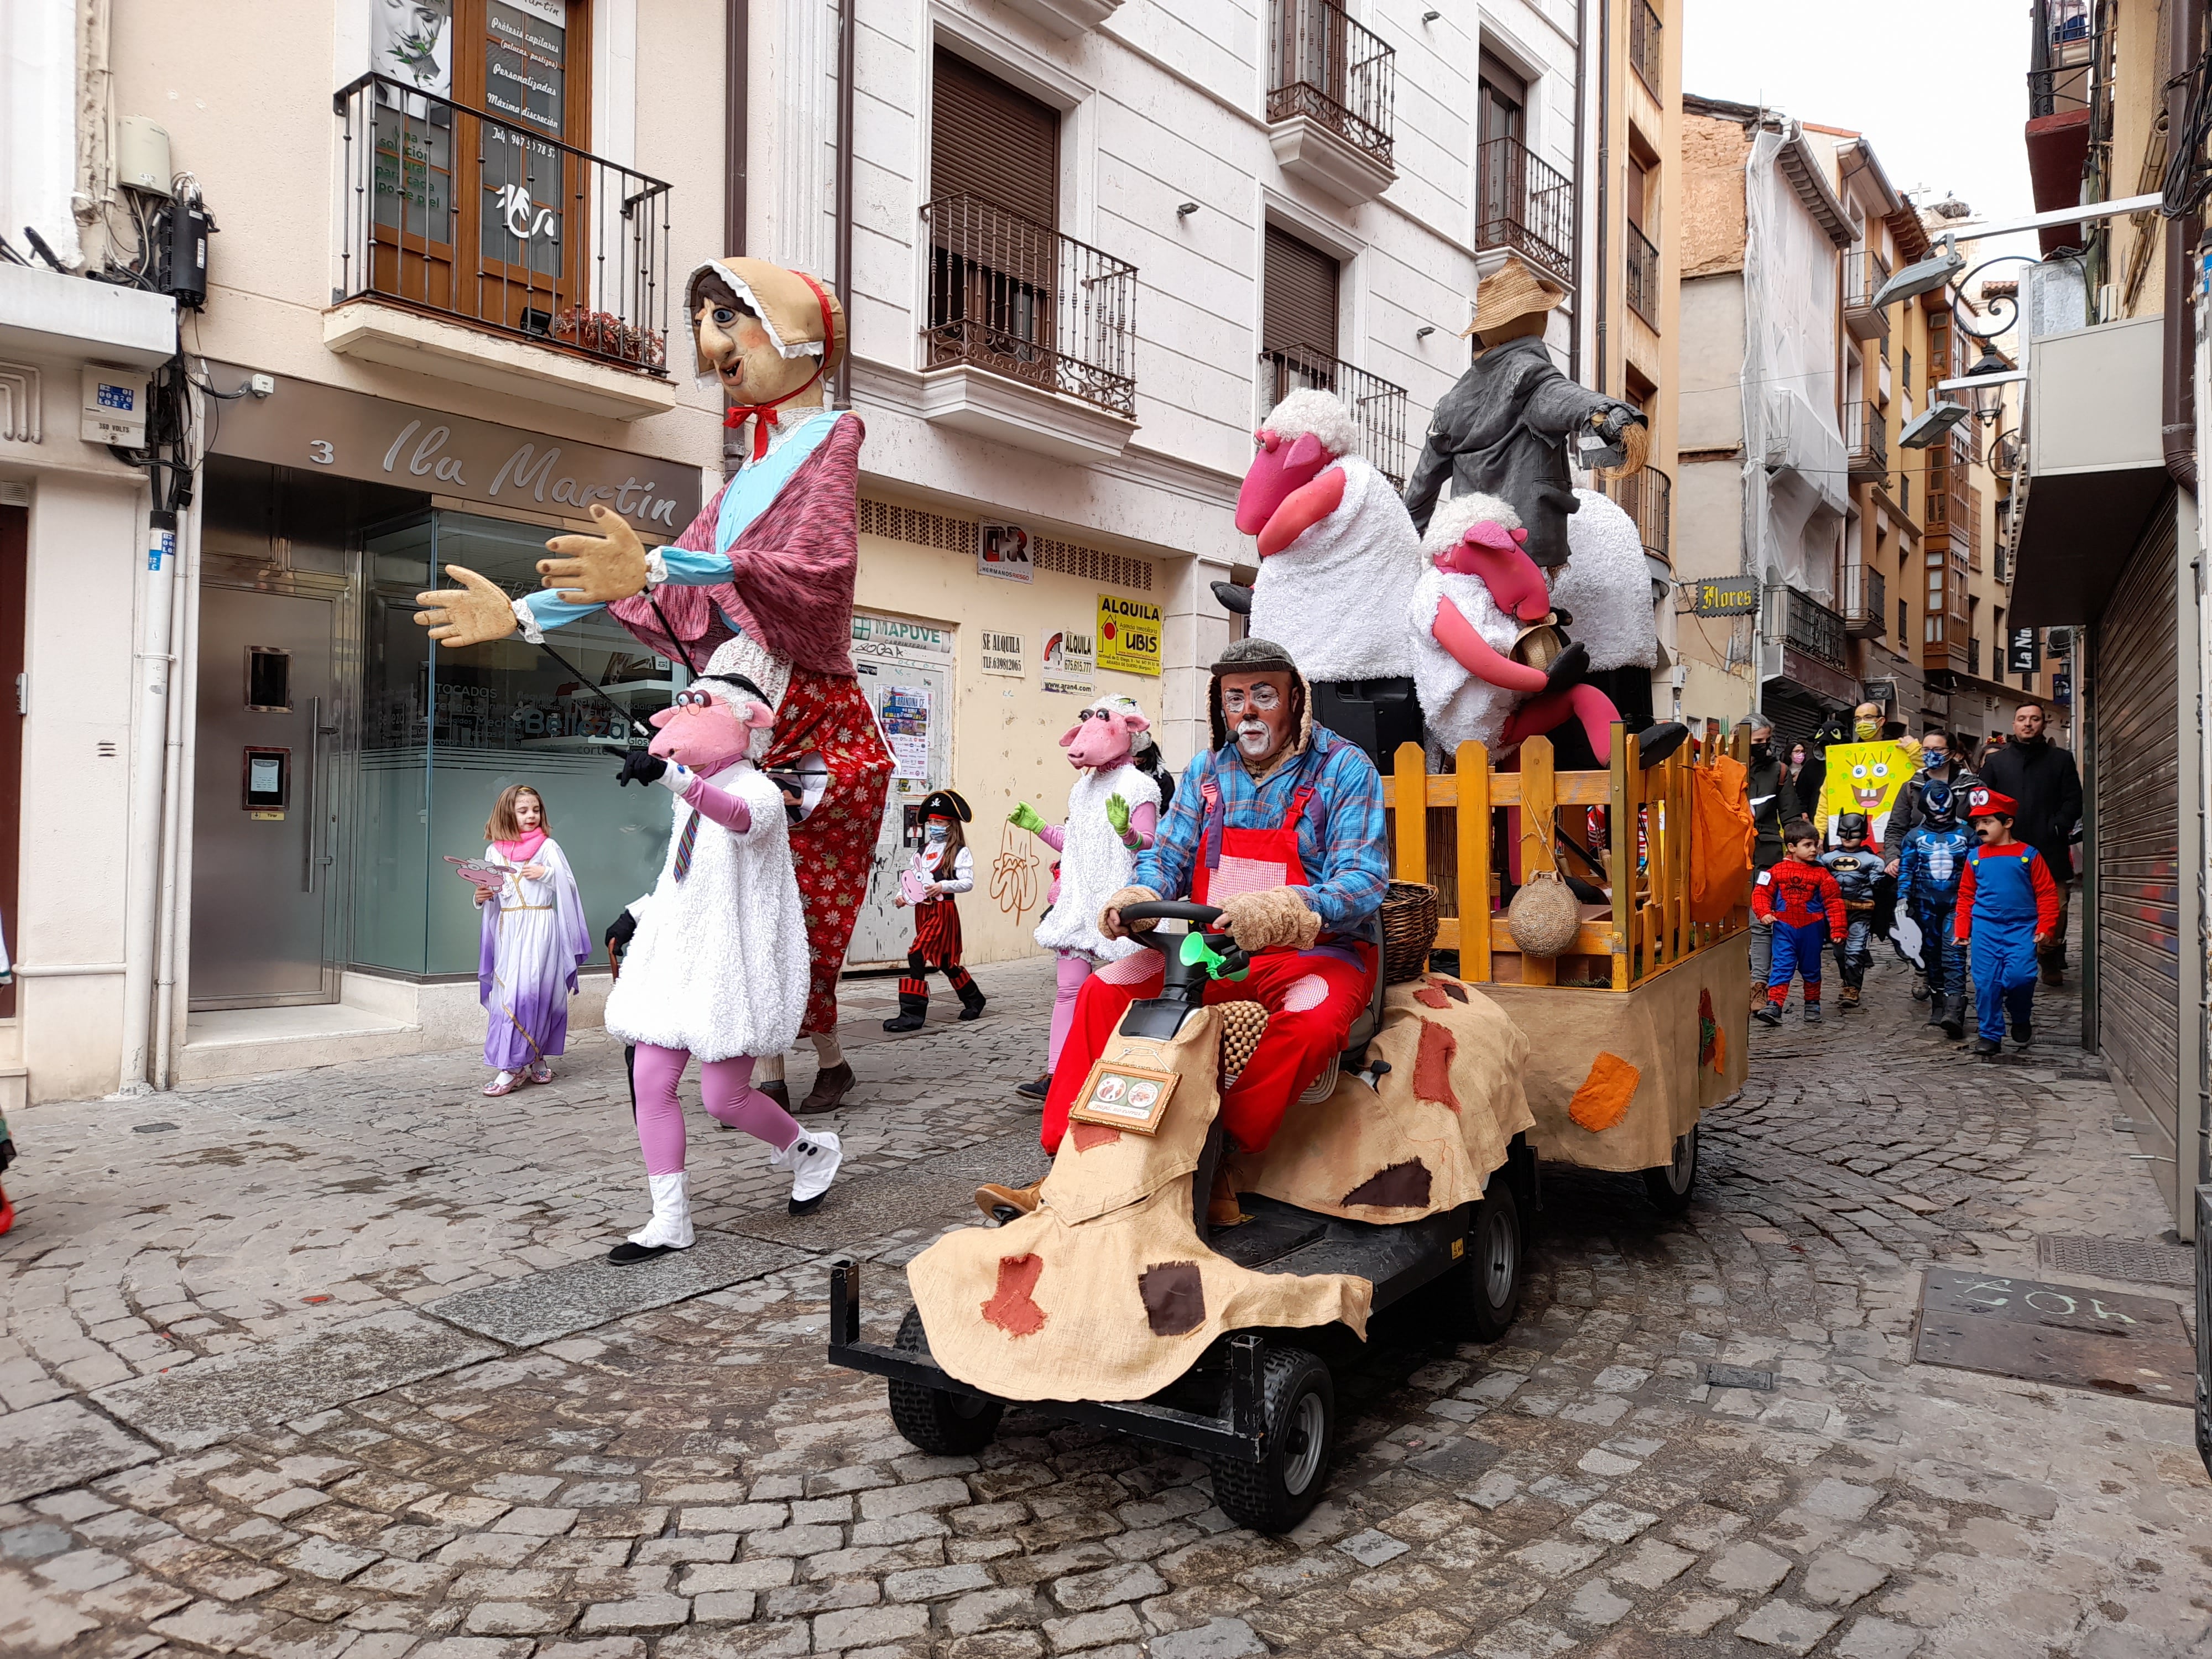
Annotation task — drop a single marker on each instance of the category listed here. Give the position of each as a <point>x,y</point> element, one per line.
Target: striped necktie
<point>684,842</point>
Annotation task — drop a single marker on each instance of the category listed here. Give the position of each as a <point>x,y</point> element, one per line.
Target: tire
<point>1668,1185</point>
<point>1488,1284</point>
<point>939,1422</point>
<point>1273,1496</point>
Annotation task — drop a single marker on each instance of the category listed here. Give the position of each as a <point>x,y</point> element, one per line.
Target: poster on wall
<point>413,44</point>
<point>1002,653</point>
<point>902,711</point>
<point>1128,635</point>
<point>1070,661</point>
<point>1003,550</point>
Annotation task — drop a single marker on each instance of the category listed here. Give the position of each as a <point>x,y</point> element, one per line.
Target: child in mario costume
<point>2008,905</point>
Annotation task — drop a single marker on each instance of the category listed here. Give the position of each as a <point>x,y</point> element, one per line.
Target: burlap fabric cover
<point>1424,1139</point>
<point>1658,1029</point>
<point>1105,1292</point>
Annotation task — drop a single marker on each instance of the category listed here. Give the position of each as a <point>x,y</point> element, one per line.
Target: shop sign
<point>1070,658</point>
<point>2061,688</point>
<point>325,428</point>
<point>2025,653</point>
<point>1002,653</point>
<point>1003,550</point>
<point>1732,596</point>
<point>1128,635</point>
<point>895,638</point>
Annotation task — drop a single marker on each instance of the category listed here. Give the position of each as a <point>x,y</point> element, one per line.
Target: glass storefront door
<point>443,732</point>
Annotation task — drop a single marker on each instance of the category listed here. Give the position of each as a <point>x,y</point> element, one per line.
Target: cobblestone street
<point>416,1427</point>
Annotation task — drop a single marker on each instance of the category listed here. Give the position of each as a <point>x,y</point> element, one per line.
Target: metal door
<point>906,690</point>
<point>264,804</point>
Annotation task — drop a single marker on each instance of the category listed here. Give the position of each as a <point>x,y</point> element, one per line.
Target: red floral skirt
<point>834,849</point>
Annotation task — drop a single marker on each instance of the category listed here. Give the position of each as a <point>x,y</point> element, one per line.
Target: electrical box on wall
<point>182,231</point>
<point>142,155</point>
<point>114,410</point>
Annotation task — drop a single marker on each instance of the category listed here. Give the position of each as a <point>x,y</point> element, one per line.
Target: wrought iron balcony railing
<point>1648,496</point>
<point>2066,50</point>
<point>1324,66</point>
<point>1809,626</point>
<point>1866,602</point>
<point>1643,277</point>
<point>1864,273</point>
<point>1524,202</point>
<point>491,222</point>
<point>1973,656</point>
<point>1378,406</point>
<point>1020,299</point>
<point>1647,46</point>
<point>1865,443</point>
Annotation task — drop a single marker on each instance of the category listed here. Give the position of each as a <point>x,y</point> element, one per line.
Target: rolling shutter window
<point>990,140</point>
<point>2138,844</point>
<point>1298,308</point>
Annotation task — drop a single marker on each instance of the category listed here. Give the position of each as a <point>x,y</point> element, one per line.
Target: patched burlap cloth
<point>1107,1293</point>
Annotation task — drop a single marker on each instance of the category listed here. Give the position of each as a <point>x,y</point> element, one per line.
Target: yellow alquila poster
<point>1128,635</point>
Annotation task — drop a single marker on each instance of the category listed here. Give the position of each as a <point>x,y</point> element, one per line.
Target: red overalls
<point>1311,996</point>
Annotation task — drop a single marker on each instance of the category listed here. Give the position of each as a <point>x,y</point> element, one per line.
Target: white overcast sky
<point>1940,86</point>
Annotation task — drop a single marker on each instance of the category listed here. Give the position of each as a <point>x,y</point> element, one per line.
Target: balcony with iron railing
<point>1377,406</point>
<point>1866,602</point>
<point>456,224</point>
<point>1973,656</point>
<point>1524,202</point>
<point>1018,298</point>
<point>2063,57</point>
<point>1332,91</point>
<point>1647,496</point>
<point>1810,627</point>
<point>1643,277</point>
<point>1864,273</point>
<point>1647,43</point>
<point>1866,444</point>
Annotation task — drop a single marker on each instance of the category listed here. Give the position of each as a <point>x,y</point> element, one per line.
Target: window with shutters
<point>1300,287</point>
<point>1007,291</point>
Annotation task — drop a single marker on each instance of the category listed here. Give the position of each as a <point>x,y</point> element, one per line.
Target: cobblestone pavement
<point>691,1481</point>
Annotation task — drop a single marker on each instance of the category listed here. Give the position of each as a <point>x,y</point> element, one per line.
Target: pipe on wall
<point>1602,278</point>
<point>844,283</point>
<point>1582,137</point>
<point>737,114</point>
<point>2185,25</point>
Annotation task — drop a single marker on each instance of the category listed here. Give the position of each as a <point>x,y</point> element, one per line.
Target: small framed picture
<point>1124,1096</point>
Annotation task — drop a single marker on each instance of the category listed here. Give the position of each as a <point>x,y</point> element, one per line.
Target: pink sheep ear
<point>1068,736</point>
<point>758,715</point>
<point>1489,534</point>
<point>1265,438</point>
<point>1306,452</point>
<point>1135,723</point>
<point>1520,537</point>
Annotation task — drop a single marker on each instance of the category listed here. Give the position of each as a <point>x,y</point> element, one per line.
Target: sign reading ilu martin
<point>322,428</point>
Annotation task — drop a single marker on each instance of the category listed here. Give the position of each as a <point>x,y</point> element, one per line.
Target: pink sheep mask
<point>1101,739</point>
<point>1291,485</point>
<point>708,732</point>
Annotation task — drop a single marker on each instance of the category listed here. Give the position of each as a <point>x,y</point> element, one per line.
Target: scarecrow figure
<point>941,869</point>
<point>1503,430</point>
<point>771,558</point>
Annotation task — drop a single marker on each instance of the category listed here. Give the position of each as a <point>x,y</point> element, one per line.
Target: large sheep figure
<point>1605,586</point>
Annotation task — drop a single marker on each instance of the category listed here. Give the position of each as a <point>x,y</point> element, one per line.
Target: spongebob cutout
<point>1863,777</point>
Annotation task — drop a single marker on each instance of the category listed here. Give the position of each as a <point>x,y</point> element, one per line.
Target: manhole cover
<point>2067,1334</point>
<point>2141,1261</point>
<point>1737,1377</point>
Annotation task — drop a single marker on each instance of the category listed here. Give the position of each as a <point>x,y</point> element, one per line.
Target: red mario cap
<point>1983,802</point>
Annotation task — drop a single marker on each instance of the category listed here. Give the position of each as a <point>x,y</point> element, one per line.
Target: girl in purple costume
<point>534,940</point>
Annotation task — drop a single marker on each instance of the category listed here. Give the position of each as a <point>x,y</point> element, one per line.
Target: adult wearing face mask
<point>1804,774</point>
<point>2042,778</point>
<point>1280,825</point>
<point>1774,802</point>
<point>1939,764</point>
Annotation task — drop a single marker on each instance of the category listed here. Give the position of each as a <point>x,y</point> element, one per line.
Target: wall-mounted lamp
<point>1431,16</point>
<point>1186,210</point>
<point>1424,331</point>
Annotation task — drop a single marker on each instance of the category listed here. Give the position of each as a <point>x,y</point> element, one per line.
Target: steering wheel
<point>1230,961</point>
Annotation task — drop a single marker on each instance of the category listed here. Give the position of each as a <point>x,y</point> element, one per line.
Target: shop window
<point>443,732</point>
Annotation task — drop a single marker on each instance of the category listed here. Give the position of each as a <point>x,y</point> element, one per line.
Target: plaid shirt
<point>1342,839</point>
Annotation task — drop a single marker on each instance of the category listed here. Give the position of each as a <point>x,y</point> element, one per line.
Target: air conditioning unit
<point>2059,640</point>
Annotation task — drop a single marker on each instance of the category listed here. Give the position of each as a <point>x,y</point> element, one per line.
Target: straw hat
<point>1510,291</point>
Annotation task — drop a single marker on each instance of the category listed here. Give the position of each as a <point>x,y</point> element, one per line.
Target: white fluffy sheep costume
<point>1334,596</point>
<point>718,964</point>
<point>1458,706</point>
<point>1094,863</point>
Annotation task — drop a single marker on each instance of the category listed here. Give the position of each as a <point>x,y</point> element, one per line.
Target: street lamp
<point>1921,276</point>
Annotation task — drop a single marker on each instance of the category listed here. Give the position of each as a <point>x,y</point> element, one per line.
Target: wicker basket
<point>1409,930</point>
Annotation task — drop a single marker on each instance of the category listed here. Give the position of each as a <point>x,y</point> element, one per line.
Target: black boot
<point>1954,1015</point>
<point>1986,1047</point>
<point>1935,1008</point>
<point>914,1013</point>
<point>971,1001</point>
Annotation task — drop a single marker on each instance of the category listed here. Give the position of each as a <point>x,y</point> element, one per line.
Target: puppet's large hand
<point>1271,919</point>
<point>474,613</point>
<point>597,569</point>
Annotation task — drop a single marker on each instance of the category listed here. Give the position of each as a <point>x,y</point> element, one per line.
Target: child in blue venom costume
<point>1930,867</point>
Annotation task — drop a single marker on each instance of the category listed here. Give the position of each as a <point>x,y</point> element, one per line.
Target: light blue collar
<point>756,487</point>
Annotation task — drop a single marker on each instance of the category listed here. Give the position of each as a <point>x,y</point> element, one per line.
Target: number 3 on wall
<point>320,452</point>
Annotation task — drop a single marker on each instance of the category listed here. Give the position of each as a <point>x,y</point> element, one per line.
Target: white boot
<point>671,1226</point>
<point>812,1160</point>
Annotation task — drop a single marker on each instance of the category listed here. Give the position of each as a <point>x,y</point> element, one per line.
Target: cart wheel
<point>1668,1185</point>
<point>936,1419</point>
<point>1275,1494</point>
<point>1487,1286</point>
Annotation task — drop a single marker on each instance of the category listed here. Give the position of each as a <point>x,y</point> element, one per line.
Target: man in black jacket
<point>2041,776</point>
<point>1773,804</point>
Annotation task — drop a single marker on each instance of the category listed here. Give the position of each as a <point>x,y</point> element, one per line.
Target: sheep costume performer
<point>1113,810</point>
<point>716,966</point>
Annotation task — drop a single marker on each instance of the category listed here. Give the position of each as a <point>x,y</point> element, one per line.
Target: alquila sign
<point>321,428</point>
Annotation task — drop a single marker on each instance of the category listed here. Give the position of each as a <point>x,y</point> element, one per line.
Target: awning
<point>2075,532</point>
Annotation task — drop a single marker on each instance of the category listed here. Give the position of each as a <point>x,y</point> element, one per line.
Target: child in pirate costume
<point>942,869</point>
<point>716,967</point>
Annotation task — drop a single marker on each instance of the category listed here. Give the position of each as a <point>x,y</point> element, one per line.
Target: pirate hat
<point>945,804</point>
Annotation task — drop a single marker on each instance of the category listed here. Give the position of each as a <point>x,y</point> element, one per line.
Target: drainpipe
<point>1575,340</point>
<point>150,761</point>
<point>184,630</point>
<point>844,284</point>
<point>737,114</point>
<point>2184,21</point>
<point>1601,282</point>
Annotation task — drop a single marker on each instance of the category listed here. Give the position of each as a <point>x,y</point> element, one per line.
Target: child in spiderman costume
<point>1803,900</point>
<point>1930,867</point>
<point>2008,906</point>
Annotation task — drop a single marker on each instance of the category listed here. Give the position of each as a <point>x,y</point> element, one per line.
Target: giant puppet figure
<point>771,557</point>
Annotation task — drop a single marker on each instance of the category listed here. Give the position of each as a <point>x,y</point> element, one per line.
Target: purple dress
<point>534,939</point>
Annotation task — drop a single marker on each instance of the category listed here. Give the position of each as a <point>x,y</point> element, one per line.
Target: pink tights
<point>1073,971</point>
<point>726,1086</point>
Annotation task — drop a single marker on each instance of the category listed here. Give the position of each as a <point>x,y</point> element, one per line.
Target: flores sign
<point>1128,635</point>
<point>321,428</point>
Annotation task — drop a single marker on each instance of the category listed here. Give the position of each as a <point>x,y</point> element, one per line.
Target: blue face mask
<point>1932,758</point>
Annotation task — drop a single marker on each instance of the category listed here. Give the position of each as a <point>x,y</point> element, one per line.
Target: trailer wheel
<point>938,1421</point>
<point>1487,1286</point>
<point>1668,1185</point>
<point>1275,1494</point>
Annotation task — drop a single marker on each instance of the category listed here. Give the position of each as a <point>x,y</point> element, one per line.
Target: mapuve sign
<point>322,428</point>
